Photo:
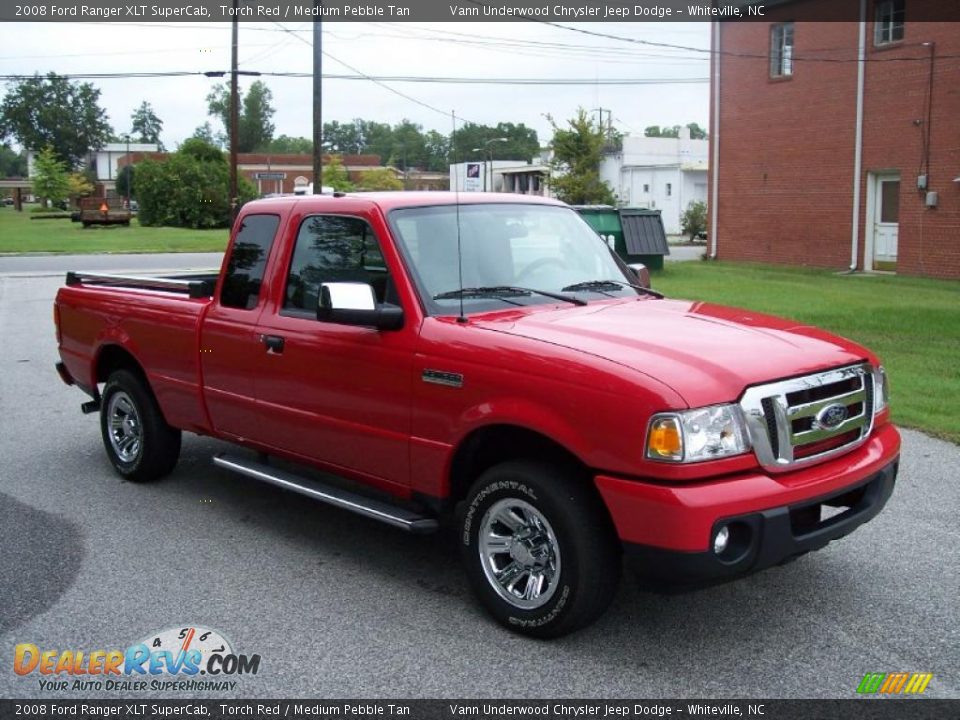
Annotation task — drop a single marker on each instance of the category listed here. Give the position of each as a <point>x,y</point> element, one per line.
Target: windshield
<point>543,248</point>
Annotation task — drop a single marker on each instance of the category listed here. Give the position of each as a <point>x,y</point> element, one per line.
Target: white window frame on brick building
<point>781,50</point>
<point>888,25</point>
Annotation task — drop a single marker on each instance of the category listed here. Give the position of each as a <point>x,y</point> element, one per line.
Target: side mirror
<point>354,303</point>
<point>642,274</point>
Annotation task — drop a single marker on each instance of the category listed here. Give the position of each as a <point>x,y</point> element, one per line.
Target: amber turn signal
<point>664,441</point>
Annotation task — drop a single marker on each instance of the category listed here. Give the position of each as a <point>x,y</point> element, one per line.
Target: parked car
<point>487,361</point>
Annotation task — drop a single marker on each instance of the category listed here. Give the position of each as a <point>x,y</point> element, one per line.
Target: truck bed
<point>156,316</point>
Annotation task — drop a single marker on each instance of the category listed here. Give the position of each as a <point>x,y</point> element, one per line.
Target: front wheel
<point>539,548</point>
<point>139,442</point>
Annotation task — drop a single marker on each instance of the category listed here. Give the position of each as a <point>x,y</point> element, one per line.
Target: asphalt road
<point>339,606</point>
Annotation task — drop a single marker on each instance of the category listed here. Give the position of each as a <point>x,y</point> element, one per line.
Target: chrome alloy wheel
<point>519,553</point>
<point>125,429</point>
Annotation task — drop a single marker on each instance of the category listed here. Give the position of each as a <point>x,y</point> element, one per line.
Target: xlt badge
<point>440,377</point>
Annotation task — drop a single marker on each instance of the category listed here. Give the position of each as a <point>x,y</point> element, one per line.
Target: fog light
<point>721,539</point>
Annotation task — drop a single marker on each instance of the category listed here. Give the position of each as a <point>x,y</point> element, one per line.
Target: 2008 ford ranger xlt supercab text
<point>488,361</point>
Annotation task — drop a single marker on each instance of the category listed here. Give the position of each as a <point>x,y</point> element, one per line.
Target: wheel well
<point>492,445</point>
<point>113,358</point>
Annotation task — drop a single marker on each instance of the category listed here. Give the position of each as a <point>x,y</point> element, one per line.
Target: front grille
<point>809,418</point>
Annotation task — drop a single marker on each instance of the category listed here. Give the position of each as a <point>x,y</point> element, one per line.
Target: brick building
<point>837,143</point>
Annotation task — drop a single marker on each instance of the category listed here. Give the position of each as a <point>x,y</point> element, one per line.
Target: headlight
<point>694,435</point>
<point>881,393</point>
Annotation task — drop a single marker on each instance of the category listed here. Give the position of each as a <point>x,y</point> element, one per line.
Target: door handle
<point>274,343</point>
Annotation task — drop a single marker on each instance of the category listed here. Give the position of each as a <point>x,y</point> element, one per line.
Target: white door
<point>886,221</point>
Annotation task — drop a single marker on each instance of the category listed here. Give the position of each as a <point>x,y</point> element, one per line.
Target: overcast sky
<point>464,49</point>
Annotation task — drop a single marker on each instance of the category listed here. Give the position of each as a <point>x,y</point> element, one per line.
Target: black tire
<point>572,519</point>
<point>128,400</point>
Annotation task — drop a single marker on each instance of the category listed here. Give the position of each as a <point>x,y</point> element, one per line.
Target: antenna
<point>456,191</point>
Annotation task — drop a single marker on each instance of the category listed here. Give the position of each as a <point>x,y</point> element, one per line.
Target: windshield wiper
<point>502,292</point>
<point>601,285</point>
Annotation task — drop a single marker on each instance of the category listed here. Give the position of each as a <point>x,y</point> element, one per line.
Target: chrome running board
<point>377,509</point>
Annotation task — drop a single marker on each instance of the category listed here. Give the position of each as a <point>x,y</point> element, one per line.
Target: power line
<point>410,98</point>
<point>731,53</point>
<point>379,79</point>
<point>712,52</point>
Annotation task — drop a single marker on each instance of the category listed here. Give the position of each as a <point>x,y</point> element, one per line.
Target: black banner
<point>456,10</point>
<point>854,709</point>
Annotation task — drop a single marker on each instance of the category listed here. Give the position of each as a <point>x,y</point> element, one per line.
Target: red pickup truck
<point>487,361</point>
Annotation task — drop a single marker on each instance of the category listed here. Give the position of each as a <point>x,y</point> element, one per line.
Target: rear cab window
<point>248,261</point>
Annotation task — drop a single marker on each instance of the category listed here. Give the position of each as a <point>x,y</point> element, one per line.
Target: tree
<point>577,151</point>
<point>696,132</point>
<point>291,145</point>
<point>408,146</point>
<point>78,185</point>
<point>50,179</point>
<point>125,180</point>
<point>12,163</point>
<point>188,189</point>
<point>438,151</point>
<point>254,128</point>
<point>470,142</point>
<point>205,132</point>
<point>335,175</point>
<point>693,222</point>
<point>344,137</point>
<point>146,126</point>
<point>379,179</point>
<point>53,112</point>
<point>202,150</point>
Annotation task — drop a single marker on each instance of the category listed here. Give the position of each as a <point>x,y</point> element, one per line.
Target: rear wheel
<point>139,442</point>
<point>539,548</point>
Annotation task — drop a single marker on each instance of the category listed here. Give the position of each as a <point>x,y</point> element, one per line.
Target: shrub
<point>693,222</point>
<point>191,188</point>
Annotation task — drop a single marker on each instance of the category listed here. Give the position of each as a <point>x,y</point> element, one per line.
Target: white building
<point>665,174</point>
<point>105,160</point>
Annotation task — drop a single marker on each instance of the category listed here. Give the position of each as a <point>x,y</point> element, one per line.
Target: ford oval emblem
<point>832,416</point>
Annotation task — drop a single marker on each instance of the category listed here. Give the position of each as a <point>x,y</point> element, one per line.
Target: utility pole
<point>317,100</point>
<point>609,112</point>
<point>234,116</point>
<point>129,169</point>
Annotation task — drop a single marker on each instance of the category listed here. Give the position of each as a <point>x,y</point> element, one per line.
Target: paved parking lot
<point>339,606</point>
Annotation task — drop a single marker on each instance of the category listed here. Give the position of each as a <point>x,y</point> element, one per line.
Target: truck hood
<point>707,353</point>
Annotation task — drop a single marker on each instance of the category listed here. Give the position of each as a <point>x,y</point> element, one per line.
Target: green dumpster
<point>635,234</point>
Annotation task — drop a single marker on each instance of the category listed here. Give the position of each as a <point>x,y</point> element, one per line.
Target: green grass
<point>912,324</point>
<point>20,234</point>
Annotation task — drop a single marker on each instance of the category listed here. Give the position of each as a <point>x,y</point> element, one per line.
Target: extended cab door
<point>230,348</point>
<point>333,394</point>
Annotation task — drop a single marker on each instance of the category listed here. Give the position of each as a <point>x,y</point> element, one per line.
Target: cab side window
<point>248,260</point>
<point>332,248</point>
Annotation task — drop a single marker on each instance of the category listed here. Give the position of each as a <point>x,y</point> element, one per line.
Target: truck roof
<point>391,200</point>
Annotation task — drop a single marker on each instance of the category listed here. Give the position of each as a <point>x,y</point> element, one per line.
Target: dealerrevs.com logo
<point>186,658</point>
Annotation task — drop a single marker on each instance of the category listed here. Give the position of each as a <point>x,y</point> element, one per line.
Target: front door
<point>886,222</point>
<point>334,394</point>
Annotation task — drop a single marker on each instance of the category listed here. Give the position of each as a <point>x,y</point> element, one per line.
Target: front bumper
<point>669,530</point>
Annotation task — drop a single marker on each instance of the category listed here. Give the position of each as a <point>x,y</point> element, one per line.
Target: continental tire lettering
<point>484,494</point>
<point>549,617</point>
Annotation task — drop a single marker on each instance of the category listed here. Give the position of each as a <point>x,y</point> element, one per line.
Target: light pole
<point>488,152</point>
<point>129,169</point>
